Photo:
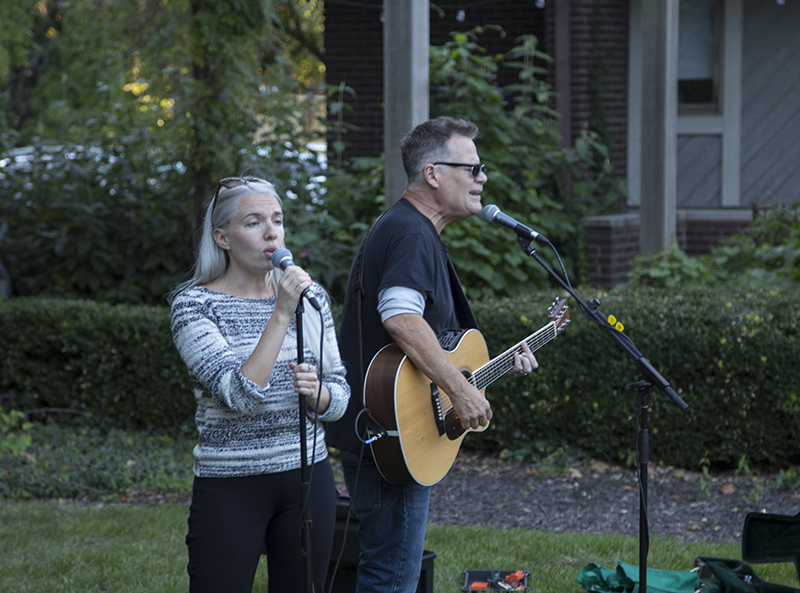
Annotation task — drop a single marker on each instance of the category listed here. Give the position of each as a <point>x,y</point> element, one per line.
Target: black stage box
<point>346,575</point>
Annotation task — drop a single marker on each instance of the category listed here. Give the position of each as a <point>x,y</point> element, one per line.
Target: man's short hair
<point>429,142</point>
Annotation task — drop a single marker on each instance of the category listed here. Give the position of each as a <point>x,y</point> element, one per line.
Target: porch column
<point>406,37</point>
<point>658,197</point>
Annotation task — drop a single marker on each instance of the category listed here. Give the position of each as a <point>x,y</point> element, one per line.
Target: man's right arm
<point>417,340</point>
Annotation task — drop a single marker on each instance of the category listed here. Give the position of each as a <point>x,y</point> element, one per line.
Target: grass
<point>66,547</point>
<point>50,544</point>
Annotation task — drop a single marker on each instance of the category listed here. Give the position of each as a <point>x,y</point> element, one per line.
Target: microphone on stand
<point>492,213</point>
<point>283,259</point>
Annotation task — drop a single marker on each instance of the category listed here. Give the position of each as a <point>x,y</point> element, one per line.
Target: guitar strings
<point>498,367</point>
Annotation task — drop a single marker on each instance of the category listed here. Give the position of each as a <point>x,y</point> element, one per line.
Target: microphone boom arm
<point>623,341</point>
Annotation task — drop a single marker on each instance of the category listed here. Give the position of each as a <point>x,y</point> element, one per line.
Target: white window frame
<point>725,121</point>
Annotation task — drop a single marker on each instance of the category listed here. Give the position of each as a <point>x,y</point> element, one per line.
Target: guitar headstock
<point>559,315</point>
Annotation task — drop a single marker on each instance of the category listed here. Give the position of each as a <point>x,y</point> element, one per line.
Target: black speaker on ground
<point>346,574</point>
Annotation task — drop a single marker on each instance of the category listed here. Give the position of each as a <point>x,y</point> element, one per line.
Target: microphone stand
<point>305,529</point>
<point>648,378</point>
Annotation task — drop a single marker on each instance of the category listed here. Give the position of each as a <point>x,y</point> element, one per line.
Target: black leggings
<point>233,520</point>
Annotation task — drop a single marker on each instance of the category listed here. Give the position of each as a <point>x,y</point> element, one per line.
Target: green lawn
<point>69,547</point>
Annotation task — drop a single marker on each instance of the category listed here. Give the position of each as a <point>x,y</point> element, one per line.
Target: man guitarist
<point>402,289</point>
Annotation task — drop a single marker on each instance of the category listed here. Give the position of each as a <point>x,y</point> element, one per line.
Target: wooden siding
<point>770,103</point>
<point>699,181</point>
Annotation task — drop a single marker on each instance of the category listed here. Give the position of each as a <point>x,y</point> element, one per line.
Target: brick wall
<point>354,56</point>
<point>611,244</point>
<point>613,241</point>
<point>699,231</point>
<point>599,72</point>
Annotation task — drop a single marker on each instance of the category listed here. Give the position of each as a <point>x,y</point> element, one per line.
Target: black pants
<point>231,520</point>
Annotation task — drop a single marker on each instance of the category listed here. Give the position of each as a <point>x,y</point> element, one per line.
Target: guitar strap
<point>358,291</point>
<point>464,314</point>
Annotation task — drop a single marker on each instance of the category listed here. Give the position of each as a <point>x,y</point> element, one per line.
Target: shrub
<point>765,254</point>
<point>731,355</point>
<point>106,224</point>
<point>117,363</point>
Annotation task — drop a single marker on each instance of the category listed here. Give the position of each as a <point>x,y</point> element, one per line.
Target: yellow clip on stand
<point>617,325</point>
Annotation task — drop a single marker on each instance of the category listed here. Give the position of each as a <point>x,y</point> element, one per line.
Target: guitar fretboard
<point>500,365</point>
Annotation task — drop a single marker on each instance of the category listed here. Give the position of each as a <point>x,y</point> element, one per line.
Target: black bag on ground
<point>771,538</point>
<point>721,575</point>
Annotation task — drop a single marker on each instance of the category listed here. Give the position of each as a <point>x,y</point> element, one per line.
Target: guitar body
<point>421,431</point>
<point>404,401</point>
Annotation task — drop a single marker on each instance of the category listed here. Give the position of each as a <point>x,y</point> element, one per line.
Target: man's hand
<point>471,407</point>
<point>524,361</point>
<point>417,341</point>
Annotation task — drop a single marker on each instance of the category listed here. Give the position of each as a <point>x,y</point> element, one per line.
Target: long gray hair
<point>212,260</point>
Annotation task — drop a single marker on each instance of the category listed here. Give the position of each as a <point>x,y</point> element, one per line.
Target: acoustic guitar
<point>424,432</point>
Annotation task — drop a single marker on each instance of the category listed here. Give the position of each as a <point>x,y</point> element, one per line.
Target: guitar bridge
<point>438,413</point>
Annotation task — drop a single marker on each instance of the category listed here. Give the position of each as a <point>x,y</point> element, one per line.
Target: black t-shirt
<point>403,249</point>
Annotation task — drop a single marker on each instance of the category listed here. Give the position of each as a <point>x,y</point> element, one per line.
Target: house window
<point>698,54</point>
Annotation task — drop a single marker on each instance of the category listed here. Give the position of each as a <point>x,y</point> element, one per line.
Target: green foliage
<point>731,356</point>
<point>200,80</point>
<point>531,176</point>
<point>89,223</point>
<point>15,38</point>
<point>14,435</point>
<point>110,211</point>
<point>337,106</point>
<point>82,462</point>
<point>117,363</point>
<point>139,108</point>
<point>789,478</point>
<point>114,224</point>
<point>327,230</point>
<point>765,254</point>
<point>728,354</point>
<point>672,268</point>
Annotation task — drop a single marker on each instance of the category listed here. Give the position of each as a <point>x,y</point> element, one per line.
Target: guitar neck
<point>500,365</point>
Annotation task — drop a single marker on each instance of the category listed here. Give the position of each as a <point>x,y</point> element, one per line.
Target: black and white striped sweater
<point>245,429</point>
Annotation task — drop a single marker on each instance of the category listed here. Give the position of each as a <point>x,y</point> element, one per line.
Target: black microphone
<point>283,259</point>
<point>492,213</point>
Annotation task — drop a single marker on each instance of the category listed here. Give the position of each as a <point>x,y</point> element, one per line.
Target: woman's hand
<point>293,282</point>
<point>306,383</point>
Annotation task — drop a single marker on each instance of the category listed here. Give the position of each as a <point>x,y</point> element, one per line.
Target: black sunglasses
<point>475,169</point>
<point>230,183</point>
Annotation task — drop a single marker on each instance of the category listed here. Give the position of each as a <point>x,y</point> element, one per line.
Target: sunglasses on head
<point>230,183</point>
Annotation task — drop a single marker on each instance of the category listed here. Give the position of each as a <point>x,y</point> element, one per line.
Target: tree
<point>195,78</point>
<point>136,106</point>
<point>527,168</point>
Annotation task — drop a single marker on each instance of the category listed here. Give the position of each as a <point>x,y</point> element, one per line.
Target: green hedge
<point>732,356</point>
<point>117,362</point>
